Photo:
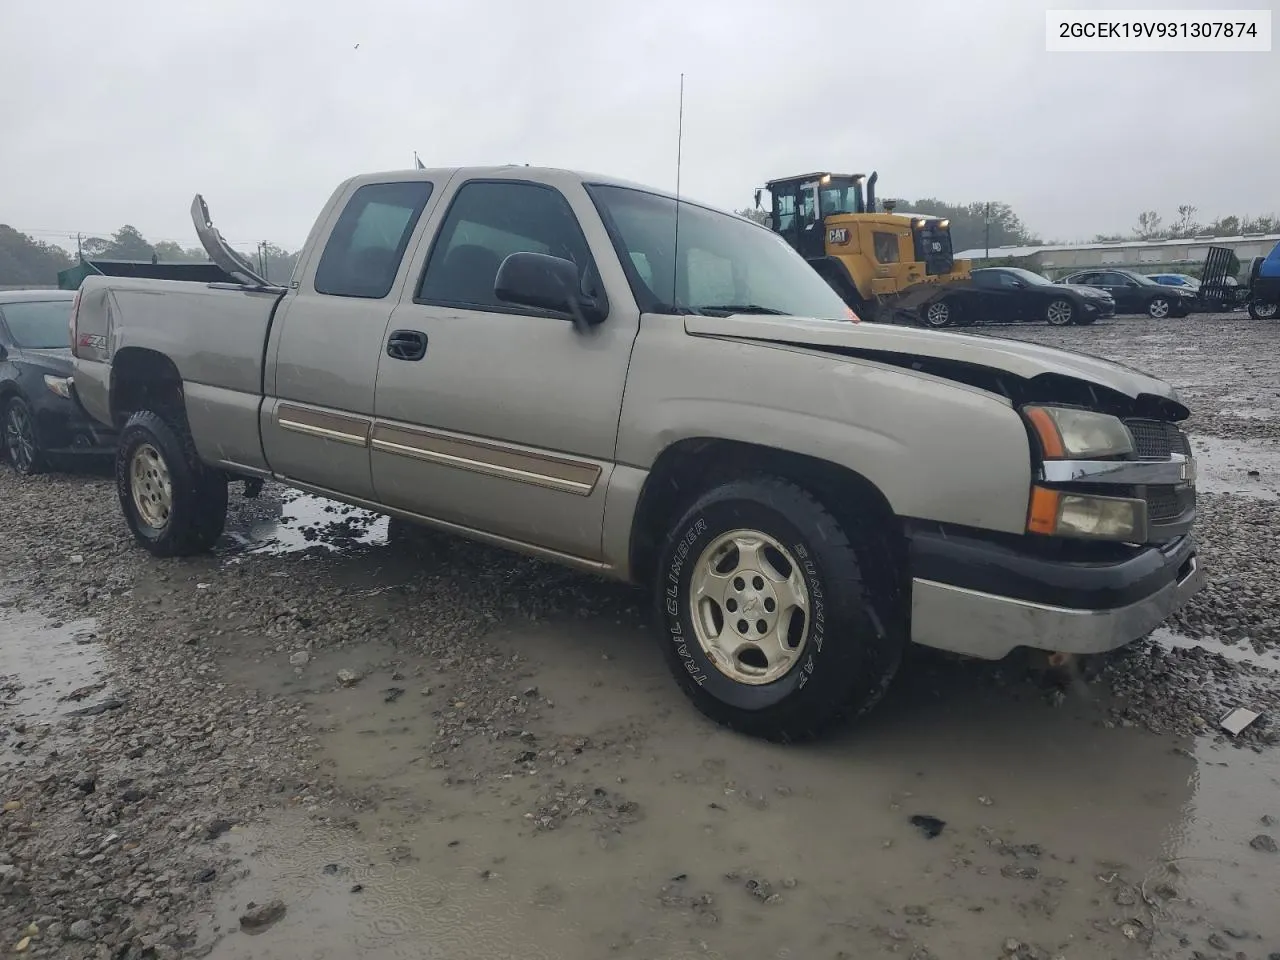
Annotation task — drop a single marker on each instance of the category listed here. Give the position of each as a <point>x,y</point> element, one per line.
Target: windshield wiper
<point>731,308</point>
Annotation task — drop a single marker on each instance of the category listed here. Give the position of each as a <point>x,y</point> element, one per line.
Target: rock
<point>1125,897</point>
<point>1265,843</point>
<point>21,945</point>
<point>349,678</point>
<point>1217,941</point>
<point>12,806</point>
<point>300,659</point>
<point>929,826</point>
<point>259,917</point>
<point>217,828</point>
<point>206,875</point>
<point>80,930</point>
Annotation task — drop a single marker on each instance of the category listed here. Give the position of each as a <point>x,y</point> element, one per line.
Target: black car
<point>1135,293</point>
<point>39,417</point>
<point>1013,295</point>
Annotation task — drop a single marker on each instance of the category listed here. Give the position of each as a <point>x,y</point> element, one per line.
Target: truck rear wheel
<point>174,505</point>
<point>768,623</point>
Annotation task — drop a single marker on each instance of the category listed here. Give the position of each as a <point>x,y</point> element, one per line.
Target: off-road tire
<point>199,495</point>
<point>37,463</point>
<point>853,649</point>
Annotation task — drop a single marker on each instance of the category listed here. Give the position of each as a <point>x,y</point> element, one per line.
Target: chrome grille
<point>1157,439</point>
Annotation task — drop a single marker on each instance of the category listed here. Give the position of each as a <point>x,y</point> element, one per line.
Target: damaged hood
<point>874,342</point>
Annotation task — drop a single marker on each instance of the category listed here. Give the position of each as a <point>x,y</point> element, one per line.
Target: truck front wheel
<point>174,505</point>
<point>767,621</point>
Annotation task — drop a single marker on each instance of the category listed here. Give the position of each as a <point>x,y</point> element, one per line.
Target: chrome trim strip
<point>1179,469</point>
<point>489,469</point>
<point>339,436</point>
<point>520,546</point>
<point>326,424</point>
<point>487,457</point>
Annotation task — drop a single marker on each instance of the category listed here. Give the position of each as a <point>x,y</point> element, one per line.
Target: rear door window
<point>364,250</point>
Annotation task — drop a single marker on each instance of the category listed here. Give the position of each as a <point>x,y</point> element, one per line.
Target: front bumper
<point>1101,308</point>
<point>982,598</point>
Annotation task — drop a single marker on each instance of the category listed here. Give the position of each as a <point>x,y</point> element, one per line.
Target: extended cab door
<point>506,423</point>
<point>327,338</point>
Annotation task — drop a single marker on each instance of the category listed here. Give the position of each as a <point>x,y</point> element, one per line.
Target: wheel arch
<point>142,379</point>
<point>688,468</point>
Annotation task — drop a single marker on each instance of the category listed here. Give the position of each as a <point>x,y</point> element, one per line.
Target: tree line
<point>26,261</point>
<point>1151,226</point>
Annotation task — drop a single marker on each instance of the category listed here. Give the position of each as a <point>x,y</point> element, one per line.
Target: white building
<point>1149,256</point>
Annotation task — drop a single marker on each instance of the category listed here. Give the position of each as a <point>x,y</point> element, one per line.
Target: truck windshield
<point>719,259</point>
<point>842,196</point>
<point>38,324</point>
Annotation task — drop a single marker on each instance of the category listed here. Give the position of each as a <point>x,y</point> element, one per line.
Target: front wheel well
<point>688,468</point>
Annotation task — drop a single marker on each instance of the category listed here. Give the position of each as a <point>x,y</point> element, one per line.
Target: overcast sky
<point>119,112</point>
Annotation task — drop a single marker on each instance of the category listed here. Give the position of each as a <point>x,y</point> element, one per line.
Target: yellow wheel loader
<point>886,265</point>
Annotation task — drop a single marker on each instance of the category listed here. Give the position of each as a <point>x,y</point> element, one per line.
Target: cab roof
<point>814,176</point>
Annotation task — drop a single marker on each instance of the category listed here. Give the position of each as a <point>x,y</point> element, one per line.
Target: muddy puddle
<point>660,835</point>
<point>47,669</point>
<point>307,522</point>
<point>1240,467</point>
<point>1243,652</point>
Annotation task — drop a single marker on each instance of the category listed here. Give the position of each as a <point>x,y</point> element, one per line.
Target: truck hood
<point>911,347</point>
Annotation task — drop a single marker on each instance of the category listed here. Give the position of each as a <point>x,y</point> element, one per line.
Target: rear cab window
<point>362,255</point>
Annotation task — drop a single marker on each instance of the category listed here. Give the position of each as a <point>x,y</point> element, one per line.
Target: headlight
<point>59,385</point>
<point>1069,434</point>
<point>1056,513</point>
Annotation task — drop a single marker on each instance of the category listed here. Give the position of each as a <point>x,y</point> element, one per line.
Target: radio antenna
<point>675,244</point>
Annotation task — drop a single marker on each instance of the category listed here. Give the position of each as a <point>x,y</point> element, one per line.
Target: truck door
<point>503,419</point>
<point>327,340</point>
<point>812,243</point>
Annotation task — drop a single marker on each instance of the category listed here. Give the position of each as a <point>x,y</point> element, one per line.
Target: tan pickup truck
<point>583,370</point>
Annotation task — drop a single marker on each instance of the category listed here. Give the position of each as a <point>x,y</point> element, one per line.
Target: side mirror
<point>1018,284</point>
<point>546,283</point>
<point>758,192</point>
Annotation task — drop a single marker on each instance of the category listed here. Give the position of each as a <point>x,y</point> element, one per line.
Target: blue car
<point>1264,286</point>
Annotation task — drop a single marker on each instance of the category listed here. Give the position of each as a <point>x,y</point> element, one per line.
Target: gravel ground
<point>328,666</point>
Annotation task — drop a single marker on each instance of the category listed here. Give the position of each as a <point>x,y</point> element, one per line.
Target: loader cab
<point>802,203</point>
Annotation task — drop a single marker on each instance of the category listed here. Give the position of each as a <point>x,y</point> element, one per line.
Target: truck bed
<point>212,334</point>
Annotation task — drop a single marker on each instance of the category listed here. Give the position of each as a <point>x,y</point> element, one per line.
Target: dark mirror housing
<point>546,283</point>
<point>758,199</point>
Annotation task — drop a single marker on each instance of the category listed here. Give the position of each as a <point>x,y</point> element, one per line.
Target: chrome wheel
<point>19,437</point>
<point>1059,313</point>
<point>938,314</point>
<point>1158,309</point>
<point>151,487</point>
<point>749,607</point>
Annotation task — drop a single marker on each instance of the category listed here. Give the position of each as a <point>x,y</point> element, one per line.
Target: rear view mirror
<point>545,283</point>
